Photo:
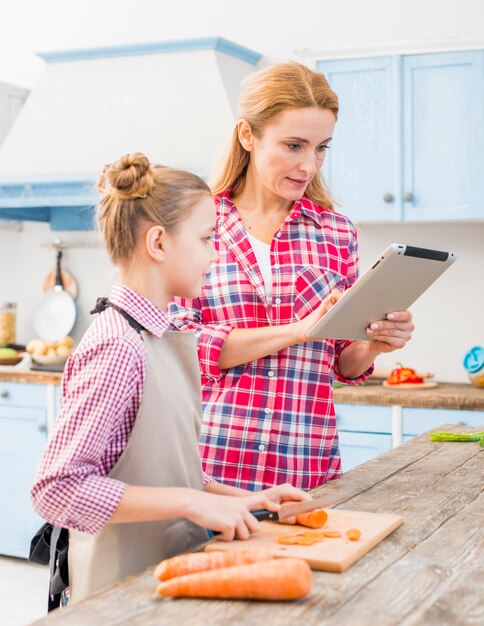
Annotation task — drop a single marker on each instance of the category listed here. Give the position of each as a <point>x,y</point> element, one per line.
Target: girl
<point>284,257</point>
<point>121,469</point>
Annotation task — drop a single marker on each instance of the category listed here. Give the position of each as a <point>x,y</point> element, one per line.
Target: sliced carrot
<point>313,519</point>
<point>288,540</point>
<point>279,579</point>
<point>201,561</point>
<point>353,534</point>
<point>332,534</point>
<point>305,541</point>
<point>315,535</point>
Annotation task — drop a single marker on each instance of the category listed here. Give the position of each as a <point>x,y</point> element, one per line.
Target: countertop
<point>445,396</point>
<point>14,375</point>
<point>427,572</point>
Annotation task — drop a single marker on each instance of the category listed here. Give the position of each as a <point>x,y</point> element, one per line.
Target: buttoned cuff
<point>340,346</point>
<point>210,342</point>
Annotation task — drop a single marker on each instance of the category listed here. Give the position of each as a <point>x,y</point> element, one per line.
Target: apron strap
<point>103,303</point>
<point>50,545</point>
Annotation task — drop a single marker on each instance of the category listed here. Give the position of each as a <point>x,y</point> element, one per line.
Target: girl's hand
<point>392,333</point>
<point>287,492</point>
<point>229,515</point>
<point>304,326</point>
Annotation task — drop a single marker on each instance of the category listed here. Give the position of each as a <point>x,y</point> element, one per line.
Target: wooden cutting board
<point>424,385</point>
<point>332,555</point>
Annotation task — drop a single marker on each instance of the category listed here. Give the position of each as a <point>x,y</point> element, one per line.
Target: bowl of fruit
<point>10,356</point>
<point>47,353</point>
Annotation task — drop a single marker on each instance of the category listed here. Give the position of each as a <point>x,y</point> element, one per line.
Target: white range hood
<point>174,101</point>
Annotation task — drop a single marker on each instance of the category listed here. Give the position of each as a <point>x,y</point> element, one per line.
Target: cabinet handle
<point>408,196</point>
<point>41,428</point>
<point>388,197</point>
<point>4,394</point>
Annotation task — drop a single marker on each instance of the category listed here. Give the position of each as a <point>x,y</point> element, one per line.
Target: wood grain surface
<point>11,375</point>
<point>427,572</point>
<point>331,554</point>
<point>445,396</point>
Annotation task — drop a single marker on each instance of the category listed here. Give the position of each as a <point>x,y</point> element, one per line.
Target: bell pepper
<point>401,375</point>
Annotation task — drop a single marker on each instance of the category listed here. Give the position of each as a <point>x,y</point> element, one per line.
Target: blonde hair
<point>265,95</point>
<point>135,192</point>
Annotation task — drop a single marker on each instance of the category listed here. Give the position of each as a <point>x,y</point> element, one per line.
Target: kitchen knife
<point>296,508</point>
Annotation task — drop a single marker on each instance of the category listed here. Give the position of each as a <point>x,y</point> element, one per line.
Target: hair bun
<point>127,179</point>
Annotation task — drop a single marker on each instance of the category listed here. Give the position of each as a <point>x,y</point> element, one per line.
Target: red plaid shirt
<point>271,420</point>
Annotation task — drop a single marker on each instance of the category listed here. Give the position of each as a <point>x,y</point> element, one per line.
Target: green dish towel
<point>439,435</point>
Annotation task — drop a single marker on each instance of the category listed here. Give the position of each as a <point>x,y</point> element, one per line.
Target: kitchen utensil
<point>56,314</point>
<point>296,508</point>
<point>424,385</point>
<point>474,364</point>
<point>332,555</point>
<point>68,282</point>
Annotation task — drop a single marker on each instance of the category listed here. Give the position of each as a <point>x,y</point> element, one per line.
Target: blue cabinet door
<point>22,439</point>
<point>357,448</point>
<point>417,421</point>
<point>443,135</point>
<point>363,166</point>
<point>409,143</point>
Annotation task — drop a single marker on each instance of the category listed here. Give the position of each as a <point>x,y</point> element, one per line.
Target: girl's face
<point>290,151</point>
<point>189,251</point>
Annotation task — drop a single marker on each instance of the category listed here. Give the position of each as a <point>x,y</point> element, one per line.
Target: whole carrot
<point>313,519</point>
<point>201,561</point>
<point>279,579</point>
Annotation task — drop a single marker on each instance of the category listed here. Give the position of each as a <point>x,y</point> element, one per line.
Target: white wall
<point>275,28</point>
<point>448,318</point>
<point>12,99</point>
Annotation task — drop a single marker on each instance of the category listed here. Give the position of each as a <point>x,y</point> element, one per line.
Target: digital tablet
<point>399,276</point>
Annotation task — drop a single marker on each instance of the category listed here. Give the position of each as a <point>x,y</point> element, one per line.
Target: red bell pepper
<point>403,375</point>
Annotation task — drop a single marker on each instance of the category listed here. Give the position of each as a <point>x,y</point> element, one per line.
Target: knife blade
<point>296,508</point>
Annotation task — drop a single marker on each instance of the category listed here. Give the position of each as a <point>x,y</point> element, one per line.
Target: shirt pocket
<point>313,284</point>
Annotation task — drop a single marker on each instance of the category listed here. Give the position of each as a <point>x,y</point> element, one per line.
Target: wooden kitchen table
<point>429,571</point>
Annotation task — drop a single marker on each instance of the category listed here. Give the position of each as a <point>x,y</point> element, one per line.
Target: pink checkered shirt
<point>271,420</point>
<point>101,391</point>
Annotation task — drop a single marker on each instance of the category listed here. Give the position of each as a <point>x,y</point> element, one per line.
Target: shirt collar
<point>140,308</point>
<point>303,205</point>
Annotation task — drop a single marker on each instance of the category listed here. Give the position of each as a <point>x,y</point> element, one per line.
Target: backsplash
<point>448,317</point>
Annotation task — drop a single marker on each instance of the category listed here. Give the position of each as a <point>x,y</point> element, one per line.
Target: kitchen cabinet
<point>365,431</point>
<point>409,142</point>
<point>25,412</point>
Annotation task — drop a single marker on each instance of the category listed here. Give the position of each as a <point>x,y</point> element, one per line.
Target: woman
<point>285,256</point>
<point>121,469</point>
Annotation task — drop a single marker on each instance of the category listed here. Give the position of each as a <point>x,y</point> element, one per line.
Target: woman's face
<point>290,151</point>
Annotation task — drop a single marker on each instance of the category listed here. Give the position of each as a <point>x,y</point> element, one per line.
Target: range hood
<point>174,101</point>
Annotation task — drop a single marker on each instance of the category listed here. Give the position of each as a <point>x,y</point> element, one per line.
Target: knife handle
<point>263,514</point>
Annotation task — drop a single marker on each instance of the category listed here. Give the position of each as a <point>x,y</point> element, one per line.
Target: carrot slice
<point>281,579</point>
<point>305,541</point>
<point>315,535</point>
<point>332,534</point>
<point>288,540</point>
<point>353,534</point>
<point>201,561</point>
<point>313,519</point>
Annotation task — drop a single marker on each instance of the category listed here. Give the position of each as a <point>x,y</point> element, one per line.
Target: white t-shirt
<point>262,253</point>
